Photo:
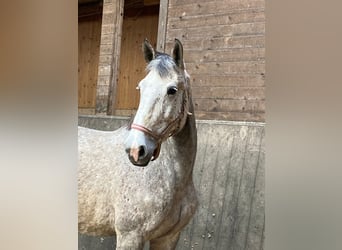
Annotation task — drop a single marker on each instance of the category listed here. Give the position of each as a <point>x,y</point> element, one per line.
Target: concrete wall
<point>229,176</point>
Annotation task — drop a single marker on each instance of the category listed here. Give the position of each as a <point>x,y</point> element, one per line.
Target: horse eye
<point>172,90</point>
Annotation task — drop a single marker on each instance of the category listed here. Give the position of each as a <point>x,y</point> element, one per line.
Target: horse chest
<point>147,203</point>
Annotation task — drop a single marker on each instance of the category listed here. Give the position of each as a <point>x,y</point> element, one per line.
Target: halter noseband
<point>166,133</point>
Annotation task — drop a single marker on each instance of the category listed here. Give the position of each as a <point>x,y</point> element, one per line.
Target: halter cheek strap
<point>144,130</point>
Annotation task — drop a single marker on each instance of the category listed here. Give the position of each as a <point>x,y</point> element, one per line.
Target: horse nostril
<point>142,151</point>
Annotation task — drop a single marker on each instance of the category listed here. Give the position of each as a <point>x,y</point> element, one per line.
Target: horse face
<point>162,107</point>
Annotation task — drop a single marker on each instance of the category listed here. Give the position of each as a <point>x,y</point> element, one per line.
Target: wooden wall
<point>89,33</point>
<point>224,51</point>
<point>224,46</point>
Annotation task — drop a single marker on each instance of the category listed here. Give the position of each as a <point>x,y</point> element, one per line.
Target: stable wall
<point>224,51</point>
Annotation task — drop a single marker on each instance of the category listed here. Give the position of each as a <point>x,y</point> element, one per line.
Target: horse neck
<point>185,142</point>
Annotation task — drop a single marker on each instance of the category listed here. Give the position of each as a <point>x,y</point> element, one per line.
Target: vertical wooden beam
<point>116,54</point>
<point>109,52</point>
<point>162,26</point>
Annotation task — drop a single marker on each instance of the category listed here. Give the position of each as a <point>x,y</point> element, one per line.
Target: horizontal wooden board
<point>109,7</point>
<point>107,39</point>
<point>226,68</point>
<point>107,18</point>
<point>125,112</point>
<point>105,59</point>
<point>225,55</point>
<point>253,80</point>
<point>107,29</point>
<point>224,92</point>
<point>106,49</point>
<point>221,105</point>
<point>231,116</point>
<point>212,7</point>
<point>186,2</point>
<point>242,29</point>
<point>238,17</point>
<point>218,43</point>
<point>86,111</point>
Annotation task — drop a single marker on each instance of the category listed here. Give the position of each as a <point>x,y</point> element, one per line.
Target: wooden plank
<point>234,93</point>
<point>212,7</point>
<point>221,105</point>
<point>237,17</point>
<point>241,29</point>
<point>239,80</point>
<point>86,111</point>
<point>255,116</point>
<point>106,39</point>
<point>162,25</point>
<point>219,43</point>
<point>125,112</point>
<point>228,68</point>
<point>225,55</point>
<point>182,2</point>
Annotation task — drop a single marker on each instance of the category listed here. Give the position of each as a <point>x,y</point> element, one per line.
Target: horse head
<point>163,107</point>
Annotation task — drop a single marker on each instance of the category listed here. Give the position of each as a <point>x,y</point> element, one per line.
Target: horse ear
<point>148,50</point>
<point>177,54</point>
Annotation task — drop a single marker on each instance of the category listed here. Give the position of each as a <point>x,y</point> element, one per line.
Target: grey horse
<point>136,182</point>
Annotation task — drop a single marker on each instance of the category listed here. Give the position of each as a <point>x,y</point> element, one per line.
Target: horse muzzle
<point>141,149</point>
<point>139,156</point>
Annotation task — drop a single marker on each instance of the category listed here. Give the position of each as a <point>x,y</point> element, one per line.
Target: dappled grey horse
<point>149,195</point>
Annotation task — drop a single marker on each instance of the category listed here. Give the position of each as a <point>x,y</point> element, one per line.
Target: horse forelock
<point>163,64</point>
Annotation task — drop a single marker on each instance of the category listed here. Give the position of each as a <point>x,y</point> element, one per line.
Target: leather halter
<point>166,133</point>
